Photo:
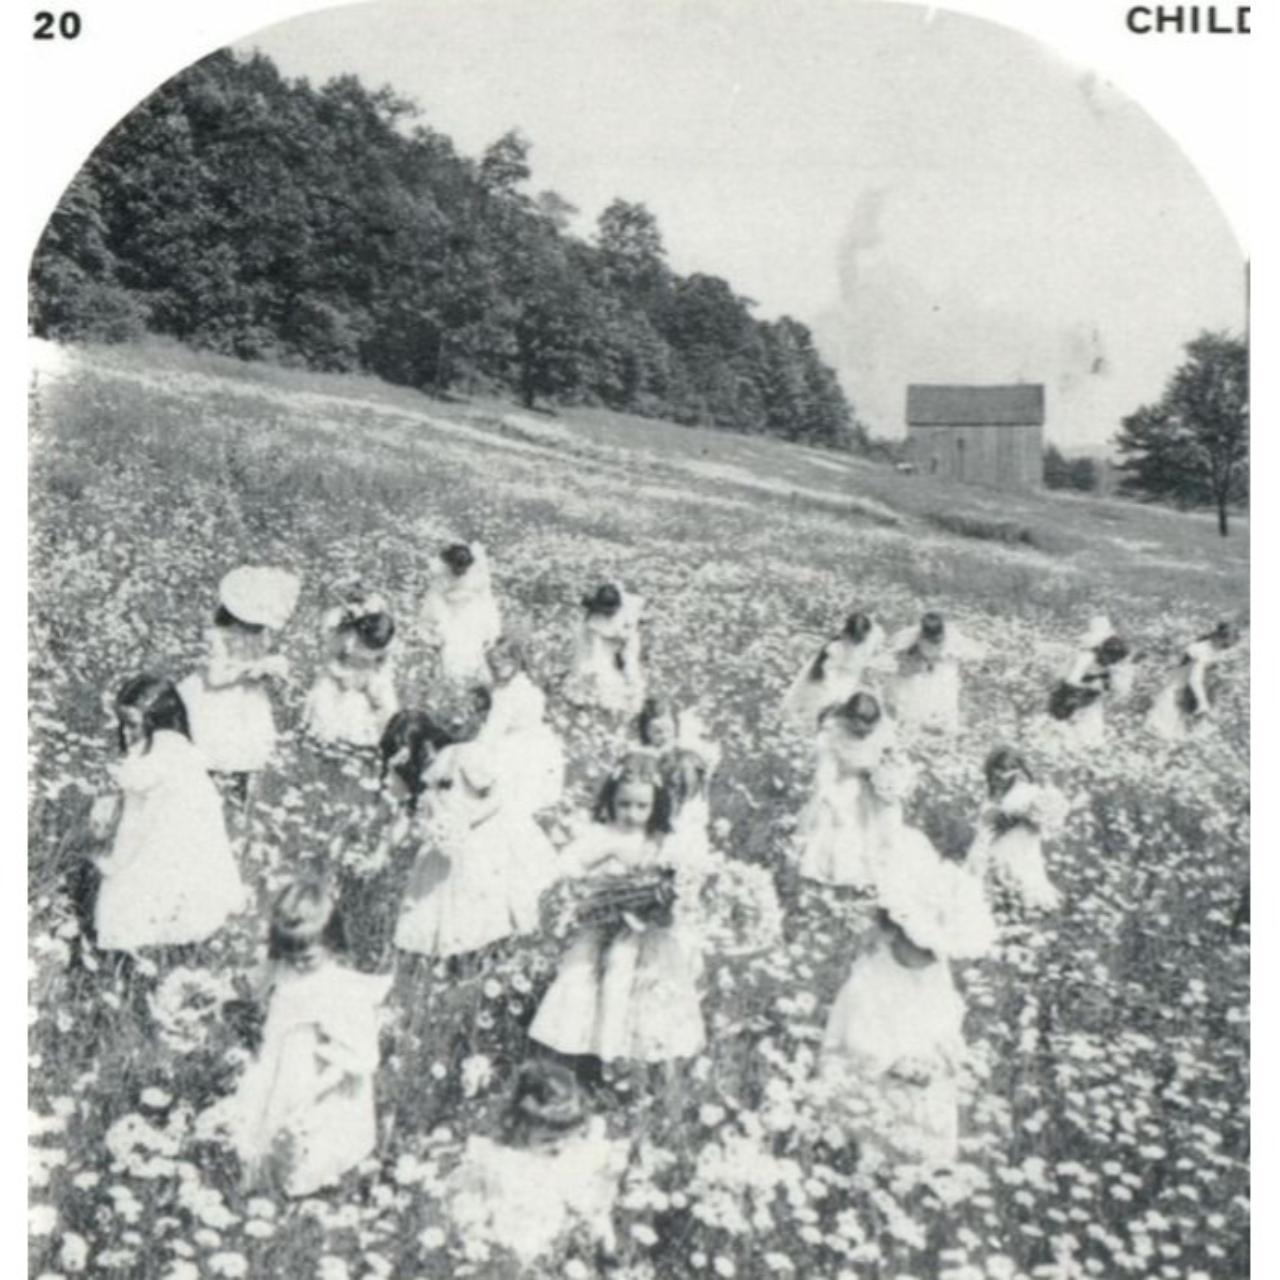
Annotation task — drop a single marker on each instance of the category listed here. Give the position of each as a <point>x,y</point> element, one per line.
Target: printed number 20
<point>48,25</point>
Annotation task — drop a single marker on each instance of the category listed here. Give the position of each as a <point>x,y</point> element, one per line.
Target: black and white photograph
<point>639,639</point>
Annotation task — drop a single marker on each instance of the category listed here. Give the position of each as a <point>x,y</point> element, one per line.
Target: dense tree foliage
<point>1061,472</point>
<point>1192,447</point>
<point>243,212</point>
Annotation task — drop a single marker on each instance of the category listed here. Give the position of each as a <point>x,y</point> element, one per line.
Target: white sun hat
<point>260,595</point>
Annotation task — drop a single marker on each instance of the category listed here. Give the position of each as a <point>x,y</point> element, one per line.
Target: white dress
<point>893,1042</point>
<point>482,865</point>
<point>842,676</point>
<point>1169,717</point>
<point>624,994</point>
<point>528,1200</point>
<point>926,692</point>
<point>461,616</point>
<point>1007,847</point>
<point>854,817</point>
<point>351,703</point>
<point>524,749</point>
<point>308,1096</point>
<point>229,711</point>
<point>171,877</point>
<point>606,668</point>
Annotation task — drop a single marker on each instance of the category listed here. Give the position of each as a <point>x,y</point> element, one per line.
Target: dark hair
<point>1225,633</point>
<point>408,744</point>
<point>1111,651</point>
<point>932,625</point>
<point>857,627</point>
<point>684,775</point>
<point>652,709</point>
<point>861,708</point>
<point>641,769</point>
<point>458,556</point>
<point>374,629</point>
<point>1001,762</point>
<point>545,1101</point>
<point>160,703</point>
<point>223,617</point>
<point>304,916</point>
<point>606,599</point>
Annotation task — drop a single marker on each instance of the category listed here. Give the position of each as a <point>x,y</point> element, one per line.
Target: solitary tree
<point>1193,445</point>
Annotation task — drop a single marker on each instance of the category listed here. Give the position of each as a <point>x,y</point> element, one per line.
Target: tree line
<point>330,227</point>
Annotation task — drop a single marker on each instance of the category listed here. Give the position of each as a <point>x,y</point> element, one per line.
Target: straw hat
<point>260,596</point>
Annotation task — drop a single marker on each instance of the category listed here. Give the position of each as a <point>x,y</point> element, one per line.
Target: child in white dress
<point>1018,815</point>
<point>526,751</point>
<point>607,668</point>
<point>926,692</point>
<point>1183,707</point>
<point>228,700</point>
<point>834,674</point>
<point>686,760</point>
<point>1101,669</point>
<point>626,989</point>
<point>893,1044</point>
<point>303,1114</point>
<point>459,614</point>
<point>170,878</point>
<point>482,863</point>
<point>853,820</point>
<point>355,696</point>
<point>553,1176</point>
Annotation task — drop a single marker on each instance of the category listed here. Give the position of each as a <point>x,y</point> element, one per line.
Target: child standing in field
<point>355,696</point>
<point>170,878</point>
<point>834,674</point>
<point>626,990</point>
<point>686,759</point>
<point>303,1114</point>
<point>228,700</point>
<point>459,614</point>
<point>526,752</point>
<point>1018,815</point>
<point>854,817</point>
<point>552,1174</point>
<point>482,862</point>
<point>1101,669</point>
<point>607,670</point>
<point>893,1045</point>
<point>926,692</point>
<point>1183,707</point>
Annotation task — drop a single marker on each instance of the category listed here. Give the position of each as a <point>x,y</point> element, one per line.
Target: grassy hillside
<point>1107,1100</point>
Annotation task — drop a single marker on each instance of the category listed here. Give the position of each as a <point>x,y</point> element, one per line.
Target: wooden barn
<point>978,435</point>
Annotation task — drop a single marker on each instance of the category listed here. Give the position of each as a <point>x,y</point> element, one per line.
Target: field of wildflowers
<point>1106,1104</point>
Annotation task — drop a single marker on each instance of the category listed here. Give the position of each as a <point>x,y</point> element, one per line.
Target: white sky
<point>941,199</point>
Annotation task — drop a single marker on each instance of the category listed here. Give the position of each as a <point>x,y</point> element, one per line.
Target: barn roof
<point>1020,405</point>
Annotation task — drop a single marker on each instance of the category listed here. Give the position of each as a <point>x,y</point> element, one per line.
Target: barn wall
<point>999,456</point>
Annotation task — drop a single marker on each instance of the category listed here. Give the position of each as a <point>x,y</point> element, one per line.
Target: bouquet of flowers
<point>740,910</point>
<point>1041,809</point>
<point>893,778</point>
<point>647,893</point>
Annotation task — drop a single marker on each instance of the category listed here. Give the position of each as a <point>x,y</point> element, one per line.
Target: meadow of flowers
<point>1106,1113</point>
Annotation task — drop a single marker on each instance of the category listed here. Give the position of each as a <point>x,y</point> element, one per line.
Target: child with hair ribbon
<point>459,615</point>
<point>482,862</point>
<point>607,667</point>
<point>171,878</point>
<point>228,699</point>
<point>303,1113</point>
<point>833,674</point>
<point>626,989</point>
<point>355,695</point>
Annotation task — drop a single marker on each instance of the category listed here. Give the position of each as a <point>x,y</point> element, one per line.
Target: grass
<point>1106,1106</point>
